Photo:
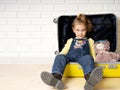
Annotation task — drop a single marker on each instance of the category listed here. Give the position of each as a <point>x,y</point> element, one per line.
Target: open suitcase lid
<point>104,27</point>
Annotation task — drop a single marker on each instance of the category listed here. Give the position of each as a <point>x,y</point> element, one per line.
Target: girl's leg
<point>87,63</point>
<point>92,74</point>
<point>54,78</point>
<point>59,64</point>
<point>94,78</point>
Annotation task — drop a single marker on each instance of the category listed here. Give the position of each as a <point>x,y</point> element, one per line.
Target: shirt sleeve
<point>91,46</point>
<point>66,47</point>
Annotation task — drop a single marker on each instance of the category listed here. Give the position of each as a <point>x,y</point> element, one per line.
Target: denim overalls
<point>78,52</point>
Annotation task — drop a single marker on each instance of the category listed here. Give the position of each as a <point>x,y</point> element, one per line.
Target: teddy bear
<point>103,53</point>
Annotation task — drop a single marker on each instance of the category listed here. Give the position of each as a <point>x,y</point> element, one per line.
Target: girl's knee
<point>60,57</point>
<point>87,59</point>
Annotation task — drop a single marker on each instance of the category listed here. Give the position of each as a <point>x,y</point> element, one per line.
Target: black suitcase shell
<point>104,27</point>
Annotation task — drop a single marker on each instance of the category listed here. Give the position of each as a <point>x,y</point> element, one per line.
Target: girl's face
<point>79,30</point>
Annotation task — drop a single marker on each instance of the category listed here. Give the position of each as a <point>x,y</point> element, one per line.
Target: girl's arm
<point>66,47</point>
<point>91,45</point>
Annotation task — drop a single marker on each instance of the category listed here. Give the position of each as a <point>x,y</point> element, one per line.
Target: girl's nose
<point>80,32</point>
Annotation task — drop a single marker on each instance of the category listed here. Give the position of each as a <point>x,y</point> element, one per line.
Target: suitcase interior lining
<point>104,27</point>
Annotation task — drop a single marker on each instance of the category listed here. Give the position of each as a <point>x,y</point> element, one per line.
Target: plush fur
<point>103,54</point>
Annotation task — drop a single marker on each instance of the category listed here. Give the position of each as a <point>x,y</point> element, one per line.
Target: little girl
<point>79,49</point>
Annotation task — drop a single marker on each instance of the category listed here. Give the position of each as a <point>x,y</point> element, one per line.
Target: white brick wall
<point>27,31</point>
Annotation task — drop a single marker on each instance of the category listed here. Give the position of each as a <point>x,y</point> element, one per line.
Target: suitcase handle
<point>56,52</point>
<point>112,66</point>
<point>55,20</point>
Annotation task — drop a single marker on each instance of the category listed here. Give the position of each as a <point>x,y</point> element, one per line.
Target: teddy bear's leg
<point>115,56</point>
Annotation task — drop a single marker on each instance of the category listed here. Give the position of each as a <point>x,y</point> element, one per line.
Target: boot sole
<point>95,78</point>
<point>50,80</point>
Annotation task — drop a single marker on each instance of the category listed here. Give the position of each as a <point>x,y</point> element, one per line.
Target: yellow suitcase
<point>110,69</point>
<point>104,27</point>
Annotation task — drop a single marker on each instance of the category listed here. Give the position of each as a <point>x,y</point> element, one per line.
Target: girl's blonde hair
<point>81,18</point>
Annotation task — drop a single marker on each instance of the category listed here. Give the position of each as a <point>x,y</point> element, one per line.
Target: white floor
<point>27,77</point>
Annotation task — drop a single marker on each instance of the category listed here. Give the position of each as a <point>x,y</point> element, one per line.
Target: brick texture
<point>27,28</point>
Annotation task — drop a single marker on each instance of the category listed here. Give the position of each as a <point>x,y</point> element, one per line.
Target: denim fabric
<point>87,63</point>
<point>79,54</point>
<point>59,64</point>
<point>82,50</point>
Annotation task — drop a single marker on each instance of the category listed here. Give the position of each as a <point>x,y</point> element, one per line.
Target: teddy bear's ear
<point>108,42</point>
<point>107,45</point>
